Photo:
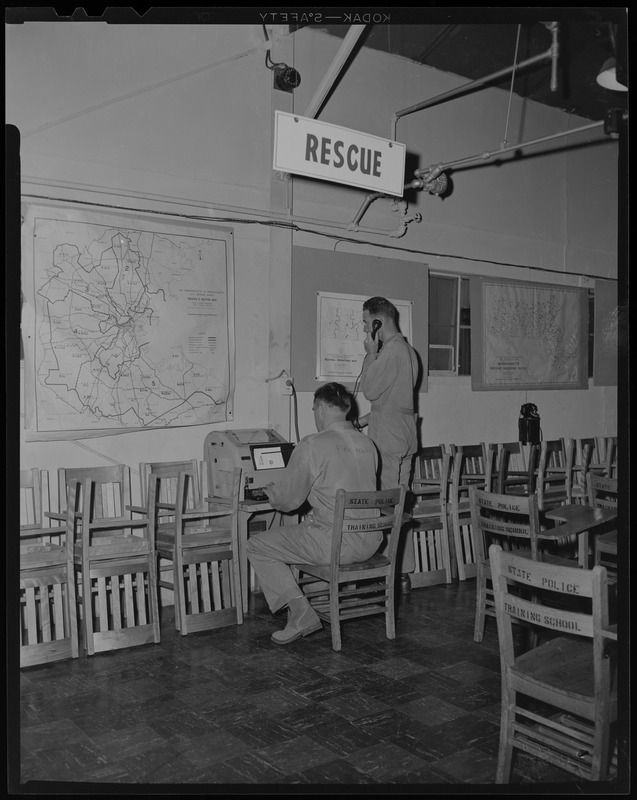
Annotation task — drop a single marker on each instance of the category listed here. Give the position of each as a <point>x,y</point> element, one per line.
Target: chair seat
<point>564,665</point>
<point>375,562</point>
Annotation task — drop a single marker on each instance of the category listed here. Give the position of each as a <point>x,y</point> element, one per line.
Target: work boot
<point>405,583</point>
<point>302,620</point>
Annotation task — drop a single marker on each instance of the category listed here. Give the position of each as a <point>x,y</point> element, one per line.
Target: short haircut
<point>334,394</point>
<point>381,307</point>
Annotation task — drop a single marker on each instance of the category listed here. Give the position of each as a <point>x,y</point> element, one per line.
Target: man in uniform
<point>336,457</point>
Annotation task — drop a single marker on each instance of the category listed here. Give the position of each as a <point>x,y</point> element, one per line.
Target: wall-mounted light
<point>608,76</point>
<point>286,78</point>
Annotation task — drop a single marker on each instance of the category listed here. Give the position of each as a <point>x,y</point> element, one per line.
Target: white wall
<point>179,118</point>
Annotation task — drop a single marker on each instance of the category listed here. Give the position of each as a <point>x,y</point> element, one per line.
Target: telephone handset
<point>376,325</point>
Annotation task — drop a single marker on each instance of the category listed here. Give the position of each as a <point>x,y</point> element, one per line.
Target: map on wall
<point>340,334</point>
<point>528,335</point>
<point>127,323</point>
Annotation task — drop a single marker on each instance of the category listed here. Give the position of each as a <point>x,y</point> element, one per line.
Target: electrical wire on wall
<point>295,227</point>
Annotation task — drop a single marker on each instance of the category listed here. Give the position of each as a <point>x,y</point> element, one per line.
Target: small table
<point>580,519</point>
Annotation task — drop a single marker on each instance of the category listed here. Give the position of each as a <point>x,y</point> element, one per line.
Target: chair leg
<point>153,597</point>
<point>481,599</point>
<point>390,616</point>
<point>334,617</point>
<point>87,605</point>
<point>71,609</point>
<point>505,752</point>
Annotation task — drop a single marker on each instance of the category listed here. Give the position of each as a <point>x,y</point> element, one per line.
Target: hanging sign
<point>304,146</point>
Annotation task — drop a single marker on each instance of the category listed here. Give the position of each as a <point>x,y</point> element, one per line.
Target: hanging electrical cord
<point>296,415</point>
<point>268,61</point>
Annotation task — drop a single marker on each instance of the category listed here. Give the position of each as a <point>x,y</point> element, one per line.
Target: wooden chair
<point>584,458</point>
<point>513,522</point>
<point>430,518</point>
<point>366,587</point>
<point>114,558</point>
<point>558,699</point>
<point>48,622</point>
<point>472,465</point>
<point>603,493</point>
<point>200,539</point>
<point>554,473</point>
<point>610,460</point>
<point>510,471</point>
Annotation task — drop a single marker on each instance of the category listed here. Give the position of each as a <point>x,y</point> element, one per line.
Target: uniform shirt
<point>388,382</point>
<point>338,457</point>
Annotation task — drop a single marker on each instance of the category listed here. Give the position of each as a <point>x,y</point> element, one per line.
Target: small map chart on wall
<point>527,335</point>
<point>340,335</point>
<point>127,323</point>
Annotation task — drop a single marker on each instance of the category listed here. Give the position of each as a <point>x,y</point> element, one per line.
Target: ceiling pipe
<point>348,44</point>
<point>551,53</point>
<point>432,172</point>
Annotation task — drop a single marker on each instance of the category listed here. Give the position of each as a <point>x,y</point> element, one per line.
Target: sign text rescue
<point>354,158</point>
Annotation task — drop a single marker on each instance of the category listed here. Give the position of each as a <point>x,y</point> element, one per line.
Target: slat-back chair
<point>199,537</point>
<point>513,522</point>
<point>603,493</point>
<point>559,699</point>
<point>48,622</point>
<point>472,465</point>
<point>362,588</point>
<point>114,558</point>
<point>430,518</point>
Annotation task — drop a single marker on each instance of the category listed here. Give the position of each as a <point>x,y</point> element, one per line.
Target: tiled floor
<point>229,707</point>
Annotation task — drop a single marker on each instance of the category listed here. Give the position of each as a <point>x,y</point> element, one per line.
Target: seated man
<point>337,457</point>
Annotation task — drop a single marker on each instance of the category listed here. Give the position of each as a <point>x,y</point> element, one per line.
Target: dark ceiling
<point>477,50</point>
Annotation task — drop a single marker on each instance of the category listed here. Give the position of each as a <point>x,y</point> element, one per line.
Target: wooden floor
<point>229,707</point>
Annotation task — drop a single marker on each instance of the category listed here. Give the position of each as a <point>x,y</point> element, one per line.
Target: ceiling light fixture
<point>608,76</point>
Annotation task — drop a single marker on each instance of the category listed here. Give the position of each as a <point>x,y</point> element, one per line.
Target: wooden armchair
<point>114,559</point>
<point>200,540</point>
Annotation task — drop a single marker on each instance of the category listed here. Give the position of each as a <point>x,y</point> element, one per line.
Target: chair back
<point>367,513</point>
<point>602,491</point>
<point>168,474</point>
<point>510,471</point>
<point>610,460</point>
<point>509,520</point>
<point>554,481</point>
<point>30,499</point>
<point>111,487</point>
<point>427,465</point>
<point>509,569</point>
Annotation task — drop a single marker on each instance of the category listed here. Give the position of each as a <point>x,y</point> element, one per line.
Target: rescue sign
<point>315,149</point>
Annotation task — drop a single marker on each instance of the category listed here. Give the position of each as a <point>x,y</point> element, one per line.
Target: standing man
<point>389,375</point>
<point>337,457</point>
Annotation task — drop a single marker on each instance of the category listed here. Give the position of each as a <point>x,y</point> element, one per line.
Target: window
<point>449,325</point>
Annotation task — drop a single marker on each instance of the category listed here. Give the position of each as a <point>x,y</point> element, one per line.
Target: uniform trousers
<point>396,470</point>
<point>272,551</point>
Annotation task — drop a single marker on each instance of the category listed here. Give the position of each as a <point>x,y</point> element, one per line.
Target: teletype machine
<point>262,455</point>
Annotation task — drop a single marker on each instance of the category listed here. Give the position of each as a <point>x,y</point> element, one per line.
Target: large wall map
<point>528,336</point>
<point>127,323</point>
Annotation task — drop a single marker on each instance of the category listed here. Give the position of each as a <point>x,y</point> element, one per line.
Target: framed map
<point>127,323</point>
<point>340,336</point>
<point>528,335</point>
